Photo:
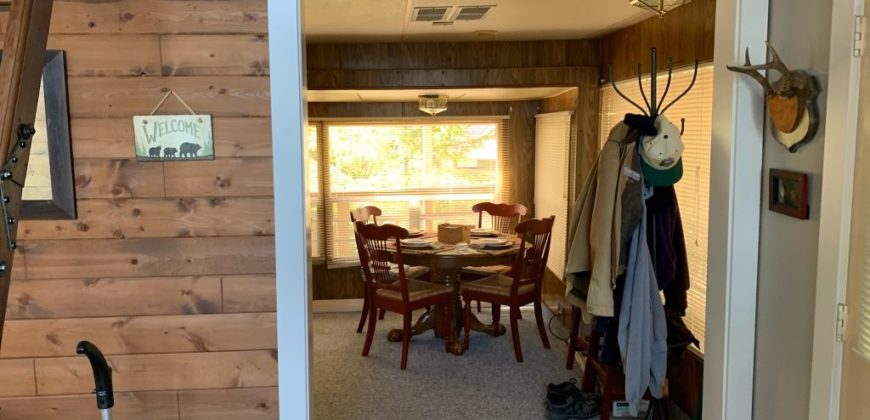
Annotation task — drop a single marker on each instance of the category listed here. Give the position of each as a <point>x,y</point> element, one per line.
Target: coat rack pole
<point>654,111</point>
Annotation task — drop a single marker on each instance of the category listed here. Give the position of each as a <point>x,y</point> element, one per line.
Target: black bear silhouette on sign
<point>189,149</point>
<point>169,152</point>
<point>154,152</point>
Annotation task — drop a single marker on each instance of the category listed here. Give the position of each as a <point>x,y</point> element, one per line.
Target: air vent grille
<point>430,14</point>
<point>473,12</point>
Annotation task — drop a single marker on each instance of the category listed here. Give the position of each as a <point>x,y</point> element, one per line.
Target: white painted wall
<point>800,32</point>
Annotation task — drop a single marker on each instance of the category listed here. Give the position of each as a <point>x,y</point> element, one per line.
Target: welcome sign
<point>173,137</point>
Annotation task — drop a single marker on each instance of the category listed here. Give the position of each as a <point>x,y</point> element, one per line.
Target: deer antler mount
<point>791,100</point>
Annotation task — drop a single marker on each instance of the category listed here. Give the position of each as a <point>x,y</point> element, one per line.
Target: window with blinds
<point>693,190</point>
<point>552,142</point>
<point>420,174</point>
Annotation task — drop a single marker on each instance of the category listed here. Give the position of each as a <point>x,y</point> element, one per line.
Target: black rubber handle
<point>102,374</point>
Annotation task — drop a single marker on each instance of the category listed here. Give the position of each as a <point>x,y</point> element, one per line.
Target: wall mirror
<point>49,190</point>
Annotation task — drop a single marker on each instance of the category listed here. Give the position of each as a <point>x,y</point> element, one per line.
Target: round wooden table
<point>446,268</point>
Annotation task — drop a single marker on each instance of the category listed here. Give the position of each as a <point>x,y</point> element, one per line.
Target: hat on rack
<point>661,155</point>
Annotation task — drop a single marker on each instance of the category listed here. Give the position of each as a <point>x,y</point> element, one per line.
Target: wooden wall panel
<point>158,218</point>
<point>178,371</point>
<point>167,269</point>
<point>142,334</point>
<point>229,404</point>
<point>17,378</point>
<point>685,34</point>
<point>222,177</point>
<point>184,55</point>
<point>42,299</point>
<point>249,293</point>
<point>128,406</point>
<point>57,259</point>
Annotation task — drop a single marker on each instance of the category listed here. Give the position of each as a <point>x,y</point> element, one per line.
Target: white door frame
<point>838,173</point>
<point>735,203</point>
<point>292,268</point>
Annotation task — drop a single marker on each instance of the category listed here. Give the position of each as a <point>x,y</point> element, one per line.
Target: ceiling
<point>456,95</point>
<point>389,20</point>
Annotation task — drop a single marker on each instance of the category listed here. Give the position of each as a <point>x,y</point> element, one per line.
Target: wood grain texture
<point>97,258</point>
<point>159,17</point>
<point>249,293</point>
<point>17,378</point>
<point>221,96</point>
<point>178,371</point>
<point>114,297</point>
<point>337,283</point>
<point>222,177</point>
<point>128,406</point>
<point>198,55</point>
<point>685,34</point>
<point>159,218</point>
<point>229,404</point>
<point>109,55</point>
<point>112,138</point>
<point>442,78</point>
<point>117,178</point>
<point>142,334</point>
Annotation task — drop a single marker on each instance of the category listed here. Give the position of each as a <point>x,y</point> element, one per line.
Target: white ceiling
<point>389,20</point>
<point>456,95</point>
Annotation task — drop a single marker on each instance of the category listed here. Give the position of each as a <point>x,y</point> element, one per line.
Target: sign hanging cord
<point>166,96</point>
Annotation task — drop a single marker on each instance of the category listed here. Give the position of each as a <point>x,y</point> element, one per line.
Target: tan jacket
<point>595,253</point>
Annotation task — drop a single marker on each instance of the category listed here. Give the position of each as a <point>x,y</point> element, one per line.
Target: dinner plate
<point>505,245</point>
<point>415,233</point>
<point>415,243</point>
<point>492,241</point>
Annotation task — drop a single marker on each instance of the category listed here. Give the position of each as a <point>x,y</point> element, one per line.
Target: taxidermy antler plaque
<point>791,100</point>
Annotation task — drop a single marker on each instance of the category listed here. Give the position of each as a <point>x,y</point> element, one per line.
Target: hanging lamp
<point>433,104</point>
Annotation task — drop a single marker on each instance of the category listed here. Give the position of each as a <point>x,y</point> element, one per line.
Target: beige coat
<point>594,257</point>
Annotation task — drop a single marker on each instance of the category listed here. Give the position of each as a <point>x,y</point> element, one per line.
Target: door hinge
<point>858,41</point>
<point>842,317</point>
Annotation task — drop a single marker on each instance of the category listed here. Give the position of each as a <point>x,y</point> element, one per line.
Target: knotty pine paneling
<point>185,55</point>
<point>110,138</point>
<point>158,218</point>
<point>221,96</point>
<point>41,299</point>
<point>150,372</point>
<point>161,405</point>
<point>141,334</point>
<point>17,378</point>
<point>143,271</point>
<point>57,259</point>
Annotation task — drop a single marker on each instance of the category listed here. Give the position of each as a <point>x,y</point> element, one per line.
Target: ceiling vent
<point>473,12</point>
<point>430,14</point>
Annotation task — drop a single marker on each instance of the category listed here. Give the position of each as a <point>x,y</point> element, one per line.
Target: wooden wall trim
<point>685,34</point>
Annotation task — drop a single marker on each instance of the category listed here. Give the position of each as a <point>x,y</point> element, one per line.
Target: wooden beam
<point>20,75</point>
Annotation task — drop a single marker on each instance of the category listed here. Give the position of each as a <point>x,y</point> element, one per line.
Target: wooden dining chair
<point>504,218</point>
<point>367,214</point>
<point>523,286</point>
<point>402,295</point>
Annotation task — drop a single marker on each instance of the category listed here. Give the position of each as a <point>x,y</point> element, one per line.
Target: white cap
<point>664,150</point>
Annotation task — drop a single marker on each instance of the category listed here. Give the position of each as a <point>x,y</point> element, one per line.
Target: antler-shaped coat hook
<point>791,100</point>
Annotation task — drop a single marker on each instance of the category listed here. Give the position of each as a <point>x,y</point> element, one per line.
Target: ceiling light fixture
<point>432,104</point>
<point>659,7</point>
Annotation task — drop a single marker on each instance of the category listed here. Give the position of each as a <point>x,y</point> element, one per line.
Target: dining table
<point>445,262</point>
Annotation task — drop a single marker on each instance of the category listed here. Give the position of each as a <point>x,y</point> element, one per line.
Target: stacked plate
<point>415,243</point>
<point>483,233</point>
<point>495,243</point>
<point>415,233</point>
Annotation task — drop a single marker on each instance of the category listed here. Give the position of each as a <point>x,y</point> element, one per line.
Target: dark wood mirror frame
<point>63,202</point>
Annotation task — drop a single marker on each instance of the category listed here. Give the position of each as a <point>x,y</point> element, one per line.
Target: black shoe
<point>559,391</point>
<point>575,408</point>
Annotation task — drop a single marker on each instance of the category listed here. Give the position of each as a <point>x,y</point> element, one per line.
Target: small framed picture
<point>789,193</point>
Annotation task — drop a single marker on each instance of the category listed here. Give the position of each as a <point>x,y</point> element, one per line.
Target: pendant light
<point>660,7</point>
<point>432,104</point>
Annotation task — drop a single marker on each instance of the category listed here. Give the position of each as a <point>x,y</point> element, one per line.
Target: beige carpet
<point>484,383</point>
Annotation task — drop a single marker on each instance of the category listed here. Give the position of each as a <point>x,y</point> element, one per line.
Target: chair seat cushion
<point>488,270</point>
<point>497,284</point>
<point>417,290</point>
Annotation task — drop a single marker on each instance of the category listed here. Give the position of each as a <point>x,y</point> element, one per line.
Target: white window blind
<point>693,190</point>
<point>420,174</point>
<point>552,142</point>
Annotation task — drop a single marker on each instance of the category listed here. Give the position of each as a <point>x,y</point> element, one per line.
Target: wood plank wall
<point>170,267</point>
<point>685,34</point>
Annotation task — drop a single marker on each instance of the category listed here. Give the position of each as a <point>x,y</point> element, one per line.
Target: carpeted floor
<point>484,383</point>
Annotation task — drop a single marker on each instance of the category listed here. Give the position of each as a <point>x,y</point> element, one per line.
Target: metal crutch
<point>102,378</point>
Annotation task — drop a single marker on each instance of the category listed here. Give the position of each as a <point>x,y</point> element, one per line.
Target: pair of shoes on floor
<point>566,402</point>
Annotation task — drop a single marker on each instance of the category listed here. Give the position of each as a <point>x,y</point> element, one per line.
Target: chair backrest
<point>504,216</point>
<point>378,246</point>
<point>531,262</point>
<point>364,214</point>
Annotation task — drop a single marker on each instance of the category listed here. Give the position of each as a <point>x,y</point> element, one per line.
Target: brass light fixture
<point>660,7</point>
<point>433,104</point>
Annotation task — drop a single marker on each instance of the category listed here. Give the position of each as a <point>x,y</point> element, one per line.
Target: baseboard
<point>355,305</point>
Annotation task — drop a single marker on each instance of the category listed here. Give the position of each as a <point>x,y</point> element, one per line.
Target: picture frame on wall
<point>789,193</point>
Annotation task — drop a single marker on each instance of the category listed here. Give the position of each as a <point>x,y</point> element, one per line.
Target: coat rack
<point>653,103</point>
